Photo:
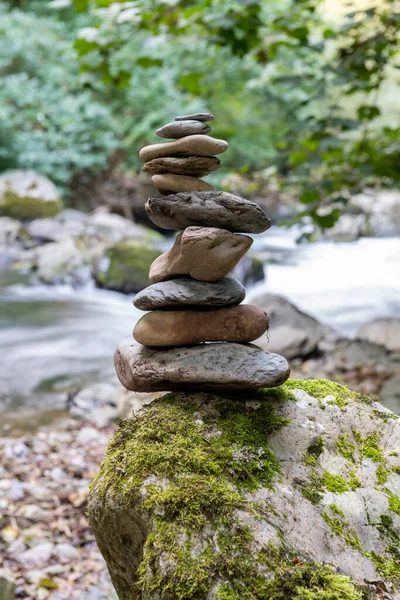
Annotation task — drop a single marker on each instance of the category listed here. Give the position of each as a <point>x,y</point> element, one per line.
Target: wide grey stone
<point>385,331</point>
<point>187,292</point>
<point>178,129</point>
<point>196,116</point>
<point>216,366</point>
<point>207,209</point>
<point>195,166</point>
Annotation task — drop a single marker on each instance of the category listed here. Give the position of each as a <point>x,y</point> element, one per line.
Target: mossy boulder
<point>125,266</point>
<point>283,494</point>
<point>27,195</point>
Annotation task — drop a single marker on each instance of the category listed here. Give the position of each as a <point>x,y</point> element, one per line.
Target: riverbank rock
<point>293,332</point>
<point>185,291</point>
<point>61,262</point>
<point>204,253</point>
<point>216,366</point>
<point>287,493</point>
<point>124,267</point>
<point>243,323</point>
<point>26,195</point>
<point>207,209</point>
<point>382,331</point>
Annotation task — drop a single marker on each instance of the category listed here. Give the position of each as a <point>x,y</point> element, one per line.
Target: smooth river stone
<point>204,253</point>
<point>169,184</point>
<point>208,209</point>
<point>219,367</point>
<point>188,292</point>
<point>197,117</point>
<point>195,166</point>
<point>243,323</point>
<point>178,129</point>
<point>190,145</point>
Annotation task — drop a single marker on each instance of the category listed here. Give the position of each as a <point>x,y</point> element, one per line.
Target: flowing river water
<point>54,338</point>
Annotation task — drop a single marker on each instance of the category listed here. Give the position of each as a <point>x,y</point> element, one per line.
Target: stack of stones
<point>197,334</point>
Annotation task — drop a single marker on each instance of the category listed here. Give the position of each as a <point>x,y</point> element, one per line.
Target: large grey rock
<point>197,116</point>
<point>9,229</point>
<point>178,129</point>
<point>204,253</point>
<point>26,194</point>
<point>196,166</point>
<point>271,495</point>
<point>207,209</point>
<point>384,331</point>
<point>293,332</point>
<point>185,291</point>
<point>62,262</point>
<point>216,366</point>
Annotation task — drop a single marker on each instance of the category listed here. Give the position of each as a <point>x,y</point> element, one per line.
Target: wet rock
<point>125,266</point>
<point>205,116</point>
<point>178,129</point>
<point>9,229</point>
<point>382,331</point>
<point>185,291</point>
<point>207,209</point>
<point>68,223</point>
<point>195,166</point>
<point>249,270</point>
<point>61,262</point>
<point>293,332</point>
<point>191,145</point>
<point>169,183</point>
<point>113,228</point>
<point>241,324</point>
<point>215,366</point>
<point>204,253</point>
<point>26,195</point>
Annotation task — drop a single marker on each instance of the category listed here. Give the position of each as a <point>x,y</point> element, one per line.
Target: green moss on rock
<point>128,266</point>
<point>28,208</point>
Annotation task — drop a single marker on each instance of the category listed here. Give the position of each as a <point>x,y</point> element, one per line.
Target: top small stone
<point>178,129</point>
<point>196,117</point>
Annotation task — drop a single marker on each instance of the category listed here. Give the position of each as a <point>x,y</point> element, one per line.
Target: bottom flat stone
<point>217,367</point>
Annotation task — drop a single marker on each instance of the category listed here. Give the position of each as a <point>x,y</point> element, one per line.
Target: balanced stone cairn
<point>197,334</point>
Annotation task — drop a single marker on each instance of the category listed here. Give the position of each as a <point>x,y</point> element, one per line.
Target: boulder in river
<point>287,493</point>
<point>26,195</point>
<point>385,331</point>
<point>125,266</point>
<point>61,262</point>
<point>293,332</point>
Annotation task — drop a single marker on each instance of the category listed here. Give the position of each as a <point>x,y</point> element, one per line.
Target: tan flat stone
<point>243,323</point>
<point>204,253</point>
<point>191,145</point>
<point>170,184</point>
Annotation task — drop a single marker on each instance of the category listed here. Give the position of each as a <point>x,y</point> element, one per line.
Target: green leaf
<point>368,112</point>
<point>191,82</point>
<point>146,62</point>
<point>297,158</point>
<point>309,196</point>
<point>83,46</point>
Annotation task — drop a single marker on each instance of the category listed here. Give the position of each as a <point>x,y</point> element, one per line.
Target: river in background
<point>54,339</point>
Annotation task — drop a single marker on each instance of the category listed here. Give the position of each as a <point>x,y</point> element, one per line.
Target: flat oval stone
<point>195,166</point>
<point>243,323</point>
<point>218,367</point>
<point>178,129</point>
<point>189,292</point>
<point>208,209</point>
<point>197,117</point>
<point>191,145</point>
<point>204,253</point>
<point>169,183</point>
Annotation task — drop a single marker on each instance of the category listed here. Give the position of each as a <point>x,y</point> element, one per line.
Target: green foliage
<point>48,121</point>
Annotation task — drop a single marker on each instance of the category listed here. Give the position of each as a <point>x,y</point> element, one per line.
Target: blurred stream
<point>54,338</point>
